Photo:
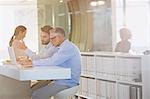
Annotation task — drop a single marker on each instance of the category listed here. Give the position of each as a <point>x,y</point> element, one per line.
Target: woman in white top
<point>17,39</point>
<point>124,45</point>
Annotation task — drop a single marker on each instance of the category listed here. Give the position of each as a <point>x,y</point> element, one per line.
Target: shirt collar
<point>63,43</point>
<point>48,45</point>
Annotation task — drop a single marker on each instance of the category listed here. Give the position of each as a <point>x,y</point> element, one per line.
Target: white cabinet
<point>110,75</point>
<point>90,65</point>
<point>83,64</point>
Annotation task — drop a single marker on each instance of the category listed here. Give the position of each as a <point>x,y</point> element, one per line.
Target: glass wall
<point>135,15</point>
<point>53,13</point>
<point>87,23</point>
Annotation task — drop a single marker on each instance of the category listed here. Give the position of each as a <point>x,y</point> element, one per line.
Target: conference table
<point>15,81</point>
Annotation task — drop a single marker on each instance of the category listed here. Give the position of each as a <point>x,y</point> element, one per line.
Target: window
<point>13,15</point>
<point>135,15</point>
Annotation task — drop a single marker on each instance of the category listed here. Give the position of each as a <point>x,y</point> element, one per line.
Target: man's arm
<point>27,51</point>
<point>58,58</point>
<point>30,53</point>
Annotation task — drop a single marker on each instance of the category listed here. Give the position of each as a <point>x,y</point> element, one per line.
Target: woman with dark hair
<point>17,40</point>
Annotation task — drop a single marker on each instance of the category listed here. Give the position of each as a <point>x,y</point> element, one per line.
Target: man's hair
<point>46,29</point>
<point>59,30</point>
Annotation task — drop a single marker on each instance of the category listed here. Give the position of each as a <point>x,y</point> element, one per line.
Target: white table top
<point>35,73</point>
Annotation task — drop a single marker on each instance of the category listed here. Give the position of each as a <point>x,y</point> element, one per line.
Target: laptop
<point>13,58</point>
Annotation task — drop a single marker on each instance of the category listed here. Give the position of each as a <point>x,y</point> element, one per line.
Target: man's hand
<point>25,62</point>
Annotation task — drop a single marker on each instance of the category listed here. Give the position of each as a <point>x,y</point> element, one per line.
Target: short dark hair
<point>46,29</point>
<point>59,30</point>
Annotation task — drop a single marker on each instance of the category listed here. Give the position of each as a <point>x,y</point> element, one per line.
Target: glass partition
<point>87,22</point>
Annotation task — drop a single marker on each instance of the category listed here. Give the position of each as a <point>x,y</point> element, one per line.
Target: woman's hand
<point>25,62</point>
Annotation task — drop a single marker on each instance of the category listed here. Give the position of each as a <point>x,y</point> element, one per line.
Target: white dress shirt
<point>47,51</point>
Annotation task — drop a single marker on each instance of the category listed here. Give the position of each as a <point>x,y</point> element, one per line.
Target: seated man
<point>67,56</point>
<point>47,51</point>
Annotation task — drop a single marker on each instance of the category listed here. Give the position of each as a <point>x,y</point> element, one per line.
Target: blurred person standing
<point>124,45</point>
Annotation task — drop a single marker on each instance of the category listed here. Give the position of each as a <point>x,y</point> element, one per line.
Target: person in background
<point>124,45</point>
<point>67,56</point>
<point>17,40</point>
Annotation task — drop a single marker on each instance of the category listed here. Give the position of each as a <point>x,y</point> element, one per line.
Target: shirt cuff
<point>34,62</point>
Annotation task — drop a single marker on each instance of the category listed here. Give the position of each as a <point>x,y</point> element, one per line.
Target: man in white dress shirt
<point>47,51</point>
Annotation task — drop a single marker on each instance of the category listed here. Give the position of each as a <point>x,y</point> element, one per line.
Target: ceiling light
<point>93,3</point>
<point>100,2</point>
<point>61,1</point>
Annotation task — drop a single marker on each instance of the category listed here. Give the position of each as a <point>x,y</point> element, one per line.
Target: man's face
<point>56,38</point>
<point>45,38</point>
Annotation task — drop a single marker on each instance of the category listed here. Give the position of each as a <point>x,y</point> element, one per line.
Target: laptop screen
<point>12,55</point>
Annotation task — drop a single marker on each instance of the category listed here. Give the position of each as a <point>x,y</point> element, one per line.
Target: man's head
<point>45,34</point>
<point>57,36</point>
